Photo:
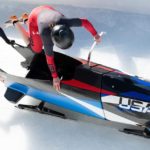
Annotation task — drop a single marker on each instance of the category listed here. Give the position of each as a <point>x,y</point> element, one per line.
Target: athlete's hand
<point>56,83</point>
<point>97,38</point>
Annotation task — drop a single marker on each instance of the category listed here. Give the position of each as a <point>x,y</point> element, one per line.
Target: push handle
<point>92,47</point>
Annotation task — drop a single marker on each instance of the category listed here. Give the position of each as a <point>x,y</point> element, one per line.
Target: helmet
<point>62,36</point>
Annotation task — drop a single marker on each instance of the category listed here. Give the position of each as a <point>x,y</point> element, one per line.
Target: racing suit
<point>41,20</point>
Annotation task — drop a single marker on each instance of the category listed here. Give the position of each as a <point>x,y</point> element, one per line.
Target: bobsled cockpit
<point>65,67</point>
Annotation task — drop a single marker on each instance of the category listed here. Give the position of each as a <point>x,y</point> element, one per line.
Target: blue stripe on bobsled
<point>136,95</point>
<point>58,100</point>
<point>141,82</point>
<point>103,95</point>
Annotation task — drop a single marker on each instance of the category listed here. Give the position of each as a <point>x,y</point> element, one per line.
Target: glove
<point>56,83</point>
<point>97,38</point>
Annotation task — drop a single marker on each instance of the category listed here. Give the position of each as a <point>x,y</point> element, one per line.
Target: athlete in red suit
<point>39,34</point>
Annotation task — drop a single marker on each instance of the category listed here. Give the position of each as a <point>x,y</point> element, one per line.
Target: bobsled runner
<point>87,88</point>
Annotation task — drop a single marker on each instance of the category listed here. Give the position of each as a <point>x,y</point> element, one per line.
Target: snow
<point>125,46</point>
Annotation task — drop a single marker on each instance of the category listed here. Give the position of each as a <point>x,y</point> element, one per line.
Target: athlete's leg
<point>20,28</point>
<point>23,32</point>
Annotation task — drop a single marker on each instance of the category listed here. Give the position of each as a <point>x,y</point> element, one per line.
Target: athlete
<point>47,27</point>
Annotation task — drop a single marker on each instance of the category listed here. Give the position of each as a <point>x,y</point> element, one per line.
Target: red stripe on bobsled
<point>85,86</point>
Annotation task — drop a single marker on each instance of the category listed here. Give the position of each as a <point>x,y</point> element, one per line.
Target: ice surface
<point>126,47</point>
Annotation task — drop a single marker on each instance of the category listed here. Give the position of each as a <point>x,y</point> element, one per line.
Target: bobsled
<point>87,88</point>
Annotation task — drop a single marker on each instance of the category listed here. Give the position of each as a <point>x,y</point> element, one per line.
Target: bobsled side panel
<point>85,106</point>
<point>90,75</point>
<point>127,86</point>
<point>132,100</point>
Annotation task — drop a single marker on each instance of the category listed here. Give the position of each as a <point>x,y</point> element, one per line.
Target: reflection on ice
<point>16,137</point>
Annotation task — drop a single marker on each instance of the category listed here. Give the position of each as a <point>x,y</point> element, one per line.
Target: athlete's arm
<point>48,49</point>
<point>24,33</point>
<point>77,22</point>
